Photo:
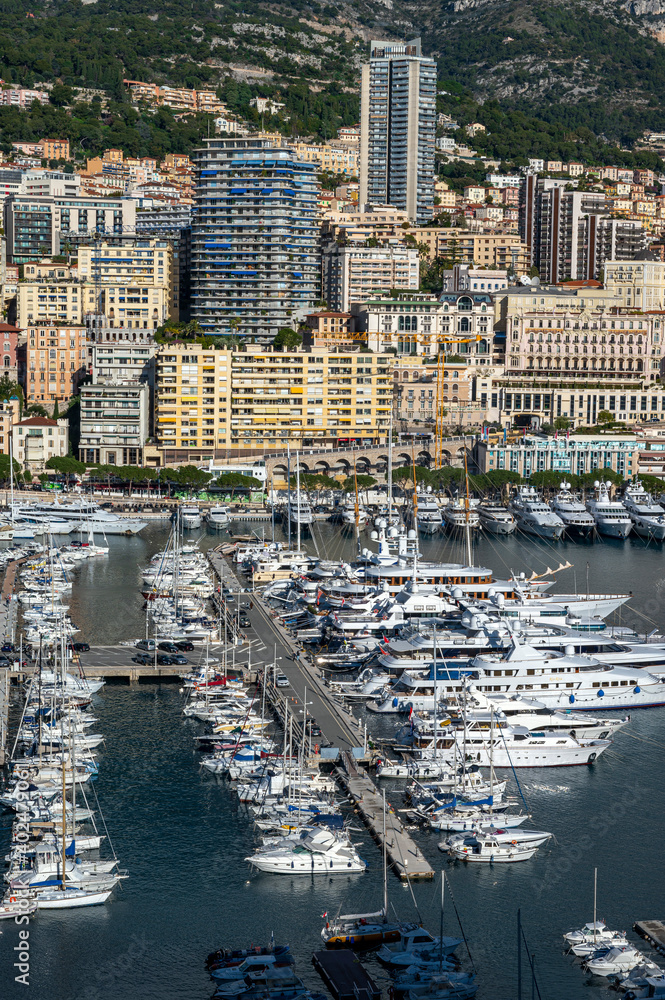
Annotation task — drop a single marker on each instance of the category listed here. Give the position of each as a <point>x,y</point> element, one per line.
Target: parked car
<point>245,622</point>
<point>81,647</point>
<point>179,659</point>
<point>147,644</point>
<point>143,659</point>
<point>5,662</point>
<point>185,645</point>
<point>282,681</point>
<point>164,661</point>
<point>8,647</point>
<point>168,647</point>
<point>314,728</point>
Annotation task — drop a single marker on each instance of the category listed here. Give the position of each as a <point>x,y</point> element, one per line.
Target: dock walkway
<point>405,858</point>
<point>345,976</point>
<point>652,931</point>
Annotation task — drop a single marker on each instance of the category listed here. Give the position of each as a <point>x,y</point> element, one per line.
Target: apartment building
<point>37,439</point>
<point>576,454</point>
<point>398,128</point>
<point>353,273</point>
<point>39,225</point>
<point>134,266</point>
<point>47,149</point>
<point>115,423</point>
<point>9,341</point>
<point>496,251</point>
<point>55,363</point>
<point>254,243</point>
<point>211,404</point>
<point>123,361</point>
<point>21,97</point>
<point>337,159</point>
<point>10,412</point>
<point>50,300</point>
<point>331,330</point>
<point>379,222</point>
<point>178,98</point>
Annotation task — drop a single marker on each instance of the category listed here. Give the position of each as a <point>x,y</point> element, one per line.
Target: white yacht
<point>218,517</point>
<point>491,850</point>
<point>349,515</point>
<point>61,518</point>
<point>190,515</point>
<point>428,517</point>
<point>648,517</point>
<point>496,519</point>
<point>298,511</point>
<point>573,513</point>
<point>610,516</point>
<point>533,516</point>
<point>312,853</point>
<point>458,514</point>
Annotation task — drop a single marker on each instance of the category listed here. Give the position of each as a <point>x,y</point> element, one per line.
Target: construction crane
<point>442,340</point>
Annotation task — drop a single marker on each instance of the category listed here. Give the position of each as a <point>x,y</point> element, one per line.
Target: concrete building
<point>331,330</point>
<point>353,273</point>
<point>37,439</point>
<point>10,412</point>
<point>123,361</point>
<point>254,259</point>
<point>575,454</point>
<point>398,128</point>
<point>123,272</point>
<point>9,342</point>
<point>39,225</point>
<point>376,222</point>
<point>115,423</point>
<point>216,404</point>
<point>466,278</point>
<point>336,158</point>
<point>55,363</point>
<point>496,251</point>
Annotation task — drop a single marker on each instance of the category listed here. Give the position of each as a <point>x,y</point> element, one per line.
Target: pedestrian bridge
<point>367,460</point>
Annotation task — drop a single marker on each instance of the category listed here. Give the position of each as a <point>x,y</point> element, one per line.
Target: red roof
<point>37,422</point>
<point>8,328</point>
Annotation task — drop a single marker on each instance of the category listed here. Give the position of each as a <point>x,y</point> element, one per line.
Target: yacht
<point>573,513</point>
<point>491,850</point>
<point>62,518</point>
<point>496,519</point>
<point>190,515</point>
<point>611,517</point>
<point>218,517</point>
<point>428,516</point>
<point>533,516</point>
<point>298,511</point>
<point>312,853</point>
<point>459,515</point>
<point>648,517</point>
<point>350,516</point>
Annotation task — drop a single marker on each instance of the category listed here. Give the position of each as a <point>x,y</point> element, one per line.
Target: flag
<point>556,435</point>
<point>505,434</point>
<point>567,433</point>
<point>342,604</point>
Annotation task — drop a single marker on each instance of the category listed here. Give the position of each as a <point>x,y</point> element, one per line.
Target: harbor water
<point>183,837</point>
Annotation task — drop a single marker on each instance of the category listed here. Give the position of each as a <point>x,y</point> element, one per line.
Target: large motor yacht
<point>573,513</point>
<point>611,517</point>
<point>648,517</point>
<point>534,516</point>
<point>75,516</point>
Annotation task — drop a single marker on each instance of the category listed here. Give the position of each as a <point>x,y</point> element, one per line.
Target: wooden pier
<point>405,858</point>
<point>652,931</point>
<point>345,976</point>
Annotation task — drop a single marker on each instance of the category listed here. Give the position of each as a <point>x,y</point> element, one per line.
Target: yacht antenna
<point>415,496</point>
<point>595,895</point>
<point>385,862</point>
<point>436,700</point>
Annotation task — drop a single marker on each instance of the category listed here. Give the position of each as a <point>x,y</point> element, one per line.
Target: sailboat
<point>366,930</point>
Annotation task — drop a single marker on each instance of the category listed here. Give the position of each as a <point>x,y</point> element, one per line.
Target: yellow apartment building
<point>218,403</point>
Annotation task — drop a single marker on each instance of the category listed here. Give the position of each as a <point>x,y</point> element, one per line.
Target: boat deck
<point>404,856</point>
<point>345,976</point>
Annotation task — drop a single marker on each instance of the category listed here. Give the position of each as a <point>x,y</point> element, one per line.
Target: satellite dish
<point>596,483</point>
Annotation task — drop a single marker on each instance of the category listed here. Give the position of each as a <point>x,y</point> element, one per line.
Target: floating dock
<point>345,976</point>
<point>652,931</point>
<point>404,856</point>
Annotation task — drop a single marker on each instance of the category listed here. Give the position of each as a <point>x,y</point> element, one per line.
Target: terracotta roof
<point>37,422</point>
<point>8,328</point>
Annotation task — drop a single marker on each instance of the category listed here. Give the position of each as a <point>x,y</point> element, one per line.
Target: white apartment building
<point>353,273</point>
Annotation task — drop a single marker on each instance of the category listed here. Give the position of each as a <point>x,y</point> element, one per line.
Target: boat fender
<point>637,689</point>
<point>571,699</point>
<point>592,757</point>
<point>601,693</point>
<point>513,842</point>
<point>395,702</point>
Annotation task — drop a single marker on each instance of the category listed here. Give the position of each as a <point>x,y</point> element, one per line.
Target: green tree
<point>364,483</point>
<point>605,417</point>
<point>66,464</point>
<point>287,339</point>
<point>561,423</point>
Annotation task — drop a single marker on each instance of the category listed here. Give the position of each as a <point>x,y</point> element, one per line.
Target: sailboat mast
<point>415,496</point>
<point>288,481</point>
<point>467,529</point>
<point>385,862</point>
<point>356,507</point>
<point>390,469</point>
<point>298,494</point>
<point>595,898</point>
<point>436,699</point>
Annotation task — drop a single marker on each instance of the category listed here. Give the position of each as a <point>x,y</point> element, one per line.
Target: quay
<point>345,976</point>
<point>652,931</point>
<point>404,856</point>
